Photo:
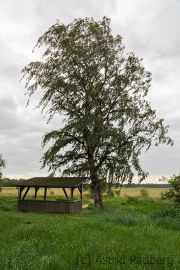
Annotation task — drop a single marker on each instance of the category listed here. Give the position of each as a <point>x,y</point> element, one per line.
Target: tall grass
<point>124,235</point>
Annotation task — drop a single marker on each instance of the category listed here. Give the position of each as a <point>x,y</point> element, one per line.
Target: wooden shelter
<point>70,205</point>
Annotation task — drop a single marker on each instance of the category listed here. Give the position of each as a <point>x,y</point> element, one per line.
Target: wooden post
<point>80,190</point>
<point>65,194</point>
<point>72,191</point>
<point>36,190</point>
<point>45,192</point>
<point>25,193</point>
<point>20,192</point>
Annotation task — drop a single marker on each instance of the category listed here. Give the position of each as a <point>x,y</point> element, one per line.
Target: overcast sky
<point>150,29</point>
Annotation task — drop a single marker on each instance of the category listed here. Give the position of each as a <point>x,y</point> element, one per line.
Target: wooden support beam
<point>25,193</point>
<point>36,190</point>
<point>72,191</point>
<point>80,190</point>
<point>20,192</point>
<point>45,192</point>
<point>65,194</point>
<point>71,201</point>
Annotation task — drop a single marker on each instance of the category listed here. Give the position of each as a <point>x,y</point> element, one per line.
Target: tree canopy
<point>2,163</point>
<point>86,76</point>
<point>174,191</point>
<point>2,166</point>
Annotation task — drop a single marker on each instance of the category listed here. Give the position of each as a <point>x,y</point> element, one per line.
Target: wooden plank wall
<point>49,206</point>
<point>76,206</point>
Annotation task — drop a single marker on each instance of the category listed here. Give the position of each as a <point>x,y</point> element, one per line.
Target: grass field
<point>126,234</point>
<point>153,192</point>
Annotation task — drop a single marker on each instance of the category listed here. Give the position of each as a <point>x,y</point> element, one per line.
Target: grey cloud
<point>150,29</point>
<point>8,116</point>
<point>161,160</point>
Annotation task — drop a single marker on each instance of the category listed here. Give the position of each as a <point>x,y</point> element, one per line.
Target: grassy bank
<point>140,234</point>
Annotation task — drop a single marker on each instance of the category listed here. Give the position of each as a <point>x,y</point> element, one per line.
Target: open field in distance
<point>153,192</point>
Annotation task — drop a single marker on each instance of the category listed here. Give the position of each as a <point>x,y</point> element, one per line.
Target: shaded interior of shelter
<point>68,205</point>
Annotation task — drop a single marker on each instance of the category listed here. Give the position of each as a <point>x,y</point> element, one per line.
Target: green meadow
<point>130,232</point>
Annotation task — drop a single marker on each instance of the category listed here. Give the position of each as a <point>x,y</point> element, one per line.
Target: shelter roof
<point>56,182</point>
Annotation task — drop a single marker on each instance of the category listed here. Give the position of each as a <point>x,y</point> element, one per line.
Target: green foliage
<point>1,181</point>
<point>90,206</point>
<point>174,191</point>
<point>118,192</point>
<point>132,199</point>
<point>167,211</point>
<point>90,193</point>
<point>51,192</point>
<point>86,77</point>
<point>167,217</point>
<point>168,194</point>
<point>2,163</point>
<point>144,193</point>
<point>8,203</point>
<point>110,193</point>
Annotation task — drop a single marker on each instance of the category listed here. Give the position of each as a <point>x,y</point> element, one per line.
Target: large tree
<point>86,76</point>
<point>2,166</point>
<point>2,163</point>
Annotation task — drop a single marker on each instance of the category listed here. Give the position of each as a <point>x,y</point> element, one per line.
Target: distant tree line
<point>7,182</point>
<point>109,186</point>
<point>10,182</point>
<point>149,185</point>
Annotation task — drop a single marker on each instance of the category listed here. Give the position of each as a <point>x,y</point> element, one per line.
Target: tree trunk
<point>97,194</point>
<point>95,183</point>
